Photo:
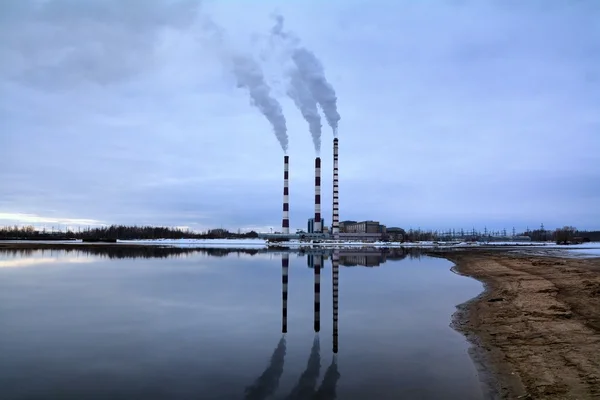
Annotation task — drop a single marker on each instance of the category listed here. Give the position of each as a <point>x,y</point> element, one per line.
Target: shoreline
<point>497,382</point>
<point>534,329</point>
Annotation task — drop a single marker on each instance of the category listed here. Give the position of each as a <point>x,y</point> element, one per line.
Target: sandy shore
<point>536,328</point>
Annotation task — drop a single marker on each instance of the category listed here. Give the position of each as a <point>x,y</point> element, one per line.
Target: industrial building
<point>311,226</point>
<point>364,227</point>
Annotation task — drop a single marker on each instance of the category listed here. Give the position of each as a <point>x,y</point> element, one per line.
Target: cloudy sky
<point>454,113</point>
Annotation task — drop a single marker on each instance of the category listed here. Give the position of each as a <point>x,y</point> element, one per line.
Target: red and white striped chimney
<point>317,225</point>
<point>285,224</point>
<point>335,220</point>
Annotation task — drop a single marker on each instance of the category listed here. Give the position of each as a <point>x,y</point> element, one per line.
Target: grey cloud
<point>59,43</point>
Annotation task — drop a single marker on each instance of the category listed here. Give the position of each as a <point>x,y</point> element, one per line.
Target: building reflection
<point>364,257</point>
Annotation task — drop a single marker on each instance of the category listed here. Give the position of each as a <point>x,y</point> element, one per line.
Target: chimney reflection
<point>285,263</point>
<point>335,267</point>
<point>318,259</point>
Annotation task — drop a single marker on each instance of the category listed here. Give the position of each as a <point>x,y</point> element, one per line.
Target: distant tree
<point>565,234</point>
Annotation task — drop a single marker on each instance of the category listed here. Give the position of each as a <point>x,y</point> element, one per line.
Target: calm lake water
<point>181,324</point>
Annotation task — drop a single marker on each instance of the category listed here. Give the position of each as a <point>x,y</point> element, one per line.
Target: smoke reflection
<point>268,381</point>
<point>327,390</point>
<point>306,386</point>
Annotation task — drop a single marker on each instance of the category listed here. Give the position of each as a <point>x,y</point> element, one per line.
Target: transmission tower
<point>543,232</point>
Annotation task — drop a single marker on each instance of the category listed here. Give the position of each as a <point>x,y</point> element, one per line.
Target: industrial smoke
<point>249,75</point>
<point>299,92</point>
<point>312,73</point>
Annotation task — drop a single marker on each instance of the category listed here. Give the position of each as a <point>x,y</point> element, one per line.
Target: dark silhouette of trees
<point>121,232</point>
<point>565,234</point>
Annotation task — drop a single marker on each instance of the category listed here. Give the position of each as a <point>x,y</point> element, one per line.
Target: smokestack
<point>285,263</point>
<point>317,268</point>
<point>317,227</point>
<point>335,220</point>
<point>285,225</point>
<point>335,262</point>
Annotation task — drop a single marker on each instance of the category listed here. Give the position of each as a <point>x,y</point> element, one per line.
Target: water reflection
<point>318,259</point>
<point>335,268</point>
<point>285,264</point>
<point>121,323</point>
<point>306,387</point>
<point>365,256</point>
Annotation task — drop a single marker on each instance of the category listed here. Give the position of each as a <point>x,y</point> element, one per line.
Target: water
<point>160,323</point>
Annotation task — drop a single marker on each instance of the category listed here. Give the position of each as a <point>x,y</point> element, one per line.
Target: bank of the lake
<point>535,330</point>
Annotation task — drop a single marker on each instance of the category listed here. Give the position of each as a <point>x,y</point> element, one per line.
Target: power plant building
<point>364,227</point>
<point>311,226</point>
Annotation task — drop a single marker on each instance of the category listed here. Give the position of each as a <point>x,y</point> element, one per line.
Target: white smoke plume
<point>249,75</point>
<point>306,103</point>
<point>312,73</point>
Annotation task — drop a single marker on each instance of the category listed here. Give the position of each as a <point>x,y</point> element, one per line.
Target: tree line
<point>566,234</point>
<point>121,232</point>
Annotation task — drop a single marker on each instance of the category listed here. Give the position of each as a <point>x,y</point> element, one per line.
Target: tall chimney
<point>318,261</point>
<point>335,263</point>
<point>335,220</point>
<point>285,225</point>
<point>318,228</point>
<point>285,263</point>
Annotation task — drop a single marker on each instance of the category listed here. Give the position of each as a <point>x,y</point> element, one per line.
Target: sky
<point>454,114</point>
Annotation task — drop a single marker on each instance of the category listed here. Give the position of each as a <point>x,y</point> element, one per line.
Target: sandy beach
<point>536,329</point>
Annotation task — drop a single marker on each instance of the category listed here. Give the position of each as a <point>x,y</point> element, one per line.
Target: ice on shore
<point>234,243</point>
